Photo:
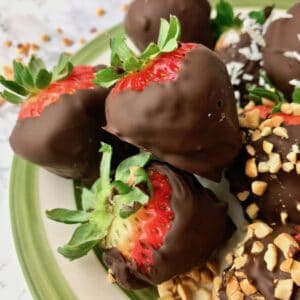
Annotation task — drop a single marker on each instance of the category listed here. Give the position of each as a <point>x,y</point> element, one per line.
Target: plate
<point>33,190</point>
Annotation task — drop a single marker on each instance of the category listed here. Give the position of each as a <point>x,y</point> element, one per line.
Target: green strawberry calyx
<point>124,60</point>
<point>106,200</point>
<point>29,80</point>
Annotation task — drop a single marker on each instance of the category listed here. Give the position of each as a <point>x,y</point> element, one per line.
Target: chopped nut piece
<point>286,265</point>
<point>34,47</point>
<point>247,287</point>
<point>298,207</point>
<point>250,149</point>
<point>110,276</point>
<point>242,196</point>
<point>45,37</point>
<point>260,229</point>
<point>100,11</point>
<point>287,167</point>
<point>59,30</point>
<point>217,282</point>
<point>266,131</point>
<point>252,211</point>
<point>251,169</point>
<point>268,147</point>
<point>183,292</point>
<point>292,157</point>
<point>298,167</point>
<point>249,105</point>
<point>296,109</point>
<point>273,122</point>
<point>259,187</point>
<point>284,289</point>
<point>165,288</point>
<point>8,43</point>
<point>239,251</point>
<point>267,102</point>
<point>8,71</point>
<point>82,41</point>
<point>286,108</point>
<point>229,258</point>
<point>281,132</point>
<point>274,163</point>
<point>257,247</point>
<point>190,284</point>
<point>240,274</point>
<point>68,42</point>
<point>213,267</point>
<point>205,277</point>
<point>202,294</point>
<point>125,7</point>
<point>283,217</point>
<point>232,287</point>
<point>240,261</point>
<point>251,119</point>
<point>256,136</point>
<point>270,257</point>
<point>195,275</point>
<point>285,242</point>
<point>295,272</point>
<point>263,167</point>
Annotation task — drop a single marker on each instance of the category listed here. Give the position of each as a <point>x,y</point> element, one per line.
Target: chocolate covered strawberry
<point>58,125</point>
<point>266,175</point>
<point>149,216</point>
<point>175,100</point>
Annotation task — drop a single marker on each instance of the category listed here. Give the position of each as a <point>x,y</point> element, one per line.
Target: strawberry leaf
<point>107,77</point>
<point>163,33</point>
<point>13,86</point>
<point>85,238</point>
<point>63,68</point>
<point>258,16</point>
<point>19,71</point>
<point>296,95</point>
<point>43,79</point>
<point>131,64</point>
<point>11,97</point>
<point>151,51</point>
<point>88,200</point>
<point>170,46</point>
<point>35,66</point>
<point>68,216</point>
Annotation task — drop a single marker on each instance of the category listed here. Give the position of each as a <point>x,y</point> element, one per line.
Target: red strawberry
<point>80,78</point>
<point>268,165</point>
<point>58,126</point>
<point>175,100</point>
<point>150,216</point>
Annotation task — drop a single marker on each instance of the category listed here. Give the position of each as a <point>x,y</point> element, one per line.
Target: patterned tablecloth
<point>27,24</point>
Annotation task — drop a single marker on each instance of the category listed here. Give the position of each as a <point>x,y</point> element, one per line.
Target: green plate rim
<point>37,262</point>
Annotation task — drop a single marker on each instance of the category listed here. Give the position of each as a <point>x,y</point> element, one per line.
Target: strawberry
<point>58,126</point>
<point>174,100</point>
<point>145,217</point>
<point>268,165</point>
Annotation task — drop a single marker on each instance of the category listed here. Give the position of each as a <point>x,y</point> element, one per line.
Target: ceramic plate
<point>33,190</point>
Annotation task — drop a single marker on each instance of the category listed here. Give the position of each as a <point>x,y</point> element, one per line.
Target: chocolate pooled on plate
<point>178,104</point>
<point>266,265</point>
<point>59,123</point>
<point>265,177</point>
<point>281,55</point>
<point>143,20</point>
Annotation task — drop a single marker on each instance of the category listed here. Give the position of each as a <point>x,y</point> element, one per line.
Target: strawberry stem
<point>125,61</point>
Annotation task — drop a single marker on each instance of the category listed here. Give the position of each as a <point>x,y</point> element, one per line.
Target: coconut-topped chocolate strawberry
<point>60,118</point>
<point>143,20</point>
<point>239,42</point>
<point>152,221</point>
<point>174,100</point>
<point>266,175</point>
<point>281,56</point>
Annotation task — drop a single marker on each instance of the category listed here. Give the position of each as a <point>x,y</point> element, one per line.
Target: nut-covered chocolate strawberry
<point>266,265</point>
<point>174,100</point>
<point>150,216</point>
<point>266,175</point>
<point>60,118</point>
<point>281,55</point>
<point>143,20</point>
<point>239,44</point>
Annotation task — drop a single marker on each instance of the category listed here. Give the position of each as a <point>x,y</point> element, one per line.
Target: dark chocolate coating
<point>142,22</point>
<point>231,54</point>
<point>199,228</point>
<point>282,36</point>
<point>256,271</point>
<point>66,138</point>
<point>190,123</point>
<point>283,192</point>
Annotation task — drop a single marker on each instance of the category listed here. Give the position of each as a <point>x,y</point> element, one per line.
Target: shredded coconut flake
<point>295,82</point>
<point>248,77</point>
<point>231,37</point>
<point>292,54</point>
<point>235,69</point>
<point>251,53</point>
<point>295,148</point>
